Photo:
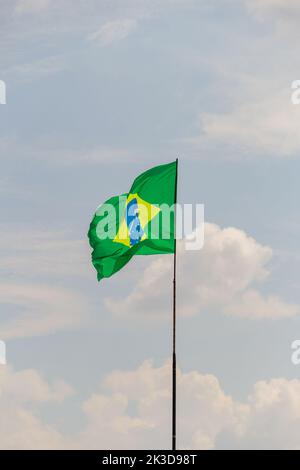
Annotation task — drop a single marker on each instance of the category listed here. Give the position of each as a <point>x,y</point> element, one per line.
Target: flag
<point>140,222</point>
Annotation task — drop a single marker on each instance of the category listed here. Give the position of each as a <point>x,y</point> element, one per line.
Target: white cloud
<point>113,31</point>
<point>86,156</point>
<point>37,69</point>
<point>281,7</point>
<point>252,304</point>
<point>27,386</point>
<point>204,410</point>
<point>33,254</point>
<point>20,426</point>
<point>132,409</point>
<point>31,6</point>
<point>269,125</point>
<point>32,264</point>
<point>48,149</point>
<point>272,418</point>
<point>41,309</point>
<point>221,276</point>
<point>135,412</point>
<point>282,18</point>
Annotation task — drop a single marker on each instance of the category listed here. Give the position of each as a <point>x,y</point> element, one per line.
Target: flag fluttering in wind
<point>140,222</point>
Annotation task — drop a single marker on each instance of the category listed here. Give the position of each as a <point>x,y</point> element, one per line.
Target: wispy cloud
<point>40,309</point>
<point>113,31</point>
<point>31,6</point>
<point>35,70</point>
<point>51,149</point>
<point>28,253</point>
<point>284,8</point>
<point>32,262</point>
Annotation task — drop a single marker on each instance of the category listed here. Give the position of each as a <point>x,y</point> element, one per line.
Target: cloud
<point>269,125</point>
<point>20,426</point>
<point>271,419</point>
<point>95,155</point>
<point>147,392</point>
<point>38,69</point>
<point>132,409</point>
<point>222,276</point>
<point>40,309</point>
<point>32,263</point>
<point>282,16</point>
<point>252,304</point>
<point>113,31</point>
<point>33,254</point>
<point>31,6</point>
<point>49,149</point>
<point>28,386</point>
<point>263,8</point>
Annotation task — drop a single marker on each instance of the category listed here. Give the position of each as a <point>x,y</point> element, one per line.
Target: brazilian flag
<point>140,222</point>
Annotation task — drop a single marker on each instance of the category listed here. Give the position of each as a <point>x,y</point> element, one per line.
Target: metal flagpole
<point>174,325</point>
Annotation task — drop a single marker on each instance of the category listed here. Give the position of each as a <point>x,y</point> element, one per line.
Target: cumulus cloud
<point>131,410</point>
<point>27,386</point>
<point>21,395</point>
<point>269,125</point>
<point>147,390</point>
<point>221,276</point>
<point>113,31</point>
<point>271,418</point>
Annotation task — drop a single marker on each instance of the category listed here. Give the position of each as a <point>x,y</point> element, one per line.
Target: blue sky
<point>96,93</point>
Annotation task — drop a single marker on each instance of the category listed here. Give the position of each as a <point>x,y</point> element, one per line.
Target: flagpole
<point>174,325</point>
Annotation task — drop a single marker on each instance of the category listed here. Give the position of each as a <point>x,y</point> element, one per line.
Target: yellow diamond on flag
<point>138,213</point>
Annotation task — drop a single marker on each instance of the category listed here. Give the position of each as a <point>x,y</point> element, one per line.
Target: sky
<point>96,93</point>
